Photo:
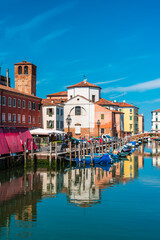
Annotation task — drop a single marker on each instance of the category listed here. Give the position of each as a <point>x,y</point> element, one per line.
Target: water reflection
<point>21,191</point>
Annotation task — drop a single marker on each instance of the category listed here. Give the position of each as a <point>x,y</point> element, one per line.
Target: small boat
<point>105,159</point>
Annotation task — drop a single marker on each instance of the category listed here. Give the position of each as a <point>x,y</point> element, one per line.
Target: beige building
<point>140,123</point>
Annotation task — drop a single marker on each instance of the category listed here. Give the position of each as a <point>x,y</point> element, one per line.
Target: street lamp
<point>98,125</point>
<point>68,121</point>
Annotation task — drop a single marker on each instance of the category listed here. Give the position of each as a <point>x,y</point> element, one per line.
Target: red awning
<point>27,138</point>
<point>4,149</point>
<point>13,140</point>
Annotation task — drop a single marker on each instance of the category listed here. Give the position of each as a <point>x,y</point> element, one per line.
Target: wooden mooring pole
<point>70,152</point>
<point>50,153</point>
<point>25,155</point>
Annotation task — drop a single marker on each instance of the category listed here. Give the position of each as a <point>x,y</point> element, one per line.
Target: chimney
<point>124,101</point>
<point>114,101</point>
<point>131,103</point>
<point>7,77</point>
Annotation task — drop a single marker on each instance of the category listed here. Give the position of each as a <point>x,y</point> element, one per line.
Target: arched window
<point>19,70</point>
<point>77,110</point>
<point>25,70</point>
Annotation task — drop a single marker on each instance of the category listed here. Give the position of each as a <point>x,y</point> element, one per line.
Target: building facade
<point>140,123</point>
<point>20,107</point>
<point>52,115</point>
<point>155,121</point>
<point>130,117</point>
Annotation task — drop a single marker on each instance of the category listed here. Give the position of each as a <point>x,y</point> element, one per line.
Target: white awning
<point>45,132</point>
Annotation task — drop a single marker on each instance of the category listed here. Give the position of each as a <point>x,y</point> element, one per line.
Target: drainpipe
<point>7,77</point>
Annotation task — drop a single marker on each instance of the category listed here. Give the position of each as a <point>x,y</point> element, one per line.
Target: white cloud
<point>120,95</point>
<point>140,87</point>
<point>115,80</point>
<point>53,35</point>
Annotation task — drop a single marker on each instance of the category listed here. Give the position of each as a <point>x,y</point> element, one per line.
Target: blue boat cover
<point>96,160</point>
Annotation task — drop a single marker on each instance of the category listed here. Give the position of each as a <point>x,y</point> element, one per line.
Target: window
<point>23,118</point>
<point>24,104</point>
<point>102,130</point>
<point>25,70</point>
<point>61,124</point>
<point>29,105</point>
<point>61,112</point>
<point>130,126</point>
<point>130,117</point>
<point>70,96</point>
<point>19,118</point>
<point>120,109</point>
<point>19,103</point>
<point>77,110</point>
<point>33,105</point>
<point>14,102</point>
<point>4,101</point>
<point>130,110</point>
<point>57,124</point>
<point>156,126</point>
<point>14,118</point>
<point>39,120</point>
<point>57,111</point>
<point>29,119</point>
<point>3,117</point>
<point>33,120</point>
<point>50,112</point>
<point>50,124</point>
<point>102,116</point>
<point>39,106</point>
<point>156,113</point>
<point>78,129</point>
<point>9,101</point>
<point>19,70</point>
<point>93,98</point>
<point>9,117</point>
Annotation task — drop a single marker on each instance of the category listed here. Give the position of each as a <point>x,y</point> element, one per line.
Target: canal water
<point>117,202</point>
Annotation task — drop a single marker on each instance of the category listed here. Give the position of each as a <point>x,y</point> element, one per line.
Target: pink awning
<point>13,140</point>
<point>4,149</point>
<point>27,138</point>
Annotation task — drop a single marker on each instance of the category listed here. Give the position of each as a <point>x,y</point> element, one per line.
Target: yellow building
<point>131,167</point>
<point>130,118</point>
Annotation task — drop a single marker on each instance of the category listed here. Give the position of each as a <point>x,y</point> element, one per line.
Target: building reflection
<point>156,154</point>
<point>20,193</point>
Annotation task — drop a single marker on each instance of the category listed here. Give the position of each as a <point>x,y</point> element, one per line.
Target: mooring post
<point>109,146</point>
<point>112,147</point>
<point>70,152</point>
<point>106,146</point>
<point>102,147</point>
<point>25,155</point>
<point>31,153</point>
<point>50,153</point>
<point>86,148</point>
<point>79,154</point>
<point>75,149</point>
<point>83,151</point>
<point>92,152</point>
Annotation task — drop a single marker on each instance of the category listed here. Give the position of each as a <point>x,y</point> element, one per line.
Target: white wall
<point>55,117</point>
<point>87,117</point>
<point>155,121</point>
<point>86,92</point>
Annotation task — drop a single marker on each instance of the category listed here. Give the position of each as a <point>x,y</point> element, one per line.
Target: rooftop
<point>124,104</point>
<point>24,63</point>
<point>51,102</point>
<point>103,101</point>
<point>84,83</point>
<point>58,94</point>
<point>158,110</point>
<point>10,89</point>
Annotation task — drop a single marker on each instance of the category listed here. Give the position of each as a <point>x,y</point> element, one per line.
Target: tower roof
<point>84,83</point>
<point>24,63</point>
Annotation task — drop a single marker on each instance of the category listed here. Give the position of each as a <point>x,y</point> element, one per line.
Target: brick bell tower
<point>25,77</point>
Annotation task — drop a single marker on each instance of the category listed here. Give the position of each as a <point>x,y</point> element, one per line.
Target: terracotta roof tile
<point>84,84</point>
<point>103,101</point>
<point>63,93</point>
<point>51,102</point>
<point>9,89</point>
<point>124,104</point>
<point>24,63</point>
<point>158,110</point>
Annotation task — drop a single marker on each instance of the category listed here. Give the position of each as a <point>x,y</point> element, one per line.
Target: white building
<point>156,121</point>
<point>52,115</point>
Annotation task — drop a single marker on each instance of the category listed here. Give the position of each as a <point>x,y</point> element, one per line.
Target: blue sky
<point>114,43</point>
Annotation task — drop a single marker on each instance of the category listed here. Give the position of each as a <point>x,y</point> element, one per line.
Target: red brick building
<point>20,107</point>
